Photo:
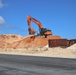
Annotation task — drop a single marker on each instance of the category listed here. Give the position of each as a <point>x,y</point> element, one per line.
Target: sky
<point>57,15</point>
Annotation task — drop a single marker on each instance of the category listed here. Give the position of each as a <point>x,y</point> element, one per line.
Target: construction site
<point>43,44</point>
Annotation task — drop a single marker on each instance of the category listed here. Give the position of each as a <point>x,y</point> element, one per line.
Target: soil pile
<point>31,41</point>
<point>17,41</point>
<point>7,39</point>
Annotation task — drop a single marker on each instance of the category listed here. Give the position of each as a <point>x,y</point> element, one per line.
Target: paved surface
<point>30,65</point>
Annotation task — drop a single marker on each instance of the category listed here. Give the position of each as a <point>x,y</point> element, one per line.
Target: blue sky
<point>56,15</point>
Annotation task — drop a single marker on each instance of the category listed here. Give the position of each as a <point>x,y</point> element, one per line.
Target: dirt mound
<point>17,41</point>
<point>30,41</point>
<point>7,39</point>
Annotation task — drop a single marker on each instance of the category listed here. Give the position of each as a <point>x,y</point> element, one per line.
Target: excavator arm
<point>31,31</point>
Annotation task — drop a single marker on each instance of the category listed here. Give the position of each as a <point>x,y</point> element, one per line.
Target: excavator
<point>42,31</point>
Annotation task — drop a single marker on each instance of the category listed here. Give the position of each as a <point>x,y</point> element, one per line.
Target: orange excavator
<point>43,31</point>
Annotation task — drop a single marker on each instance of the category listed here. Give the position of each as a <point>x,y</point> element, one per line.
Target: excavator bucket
<point>31,31</point>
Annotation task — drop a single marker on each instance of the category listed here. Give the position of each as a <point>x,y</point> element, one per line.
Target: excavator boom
<point>29,18</point>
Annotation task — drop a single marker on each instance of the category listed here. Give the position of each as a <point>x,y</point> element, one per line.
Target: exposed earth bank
<point>17,41</point>
<point>38,46</point>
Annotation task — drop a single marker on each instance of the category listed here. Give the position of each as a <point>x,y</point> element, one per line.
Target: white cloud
<point>1,4</point>
<point>2,21</point>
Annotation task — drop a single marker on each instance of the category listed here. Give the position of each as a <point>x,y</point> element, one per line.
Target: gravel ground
<point>53,52</point>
